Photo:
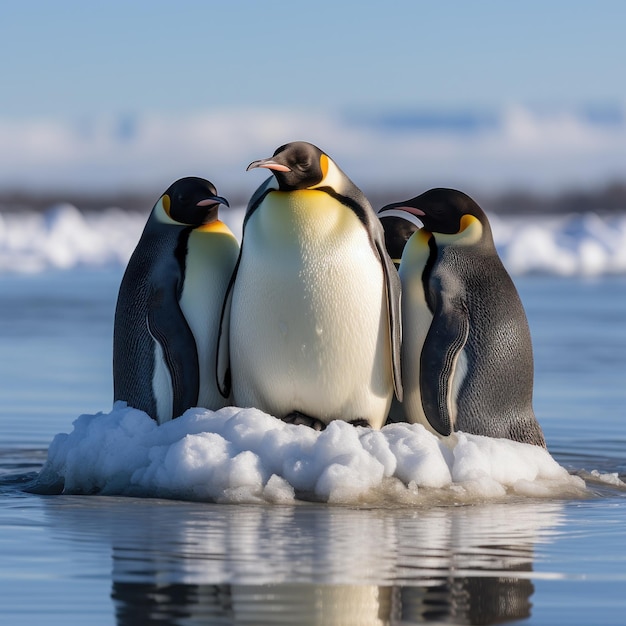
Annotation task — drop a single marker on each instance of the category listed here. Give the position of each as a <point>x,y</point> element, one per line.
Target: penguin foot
<point>360,422</point>
<point>297,418</point>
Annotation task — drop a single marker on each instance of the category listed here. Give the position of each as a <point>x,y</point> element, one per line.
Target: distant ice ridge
<point>580,244</point>
<point>244,455</point>
<point>64,238</point>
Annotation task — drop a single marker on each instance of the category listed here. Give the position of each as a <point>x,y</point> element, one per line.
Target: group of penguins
<point>327,310</point>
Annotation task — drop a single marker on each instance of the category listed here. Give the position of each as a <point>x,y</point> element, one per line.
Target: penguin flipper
<point>168,326</point>
<point>444,342</point>
<point>393,293</point>
<point>222,367</point>
<point>268,185</point>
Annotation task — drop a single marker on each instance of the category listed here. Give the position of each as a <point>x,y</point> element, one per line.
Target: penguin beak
<point>215,200</point>
<point>269,164</point>
<point>409,209</point>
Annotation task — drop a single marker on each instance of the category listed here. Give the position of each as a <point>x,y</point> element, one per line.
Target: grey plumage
<point>147,311</point>
<point>156,366</point>
<point>471,369</point>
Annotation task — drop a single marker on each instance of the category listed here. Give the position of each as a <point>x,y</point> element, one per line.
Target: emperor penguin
<point>315,299</point>
<point>170,302</point>
<point>467,356</point>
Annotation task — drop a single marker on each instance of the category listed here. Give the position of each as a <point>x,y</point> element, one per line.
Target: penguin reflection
<point>489,600</point>
<point>412,569</point>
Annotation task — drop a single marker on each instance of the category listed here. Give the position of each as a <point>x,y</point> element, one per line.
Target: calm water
<point>104,560</point>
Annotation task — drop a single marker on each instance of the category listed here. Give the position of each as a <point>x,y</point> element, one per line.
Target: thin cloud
<point>519,146</point>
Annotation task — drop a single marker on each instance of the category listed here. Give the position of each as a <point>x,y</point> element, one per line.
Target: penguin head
<point>298,165</point>
<point>450,215</point>
<point>440,210</point>
<point>190,201</point>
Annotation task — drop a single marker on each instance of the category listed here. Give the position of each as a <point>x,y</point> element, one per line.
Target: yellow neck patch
<point>215,226</point>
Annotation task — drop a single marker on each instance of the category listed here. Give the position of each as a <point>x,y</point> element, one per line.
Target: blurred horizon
<point>516,149</point>
<point>492,98</point>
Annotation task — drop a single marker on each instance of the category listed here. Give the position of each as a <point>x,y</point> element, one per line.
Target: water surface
<point>109,560</point>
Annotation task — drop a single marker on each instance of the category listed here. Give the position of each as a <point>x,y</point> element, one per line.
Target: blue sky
<point>80,58</point>
<point>132,93</point>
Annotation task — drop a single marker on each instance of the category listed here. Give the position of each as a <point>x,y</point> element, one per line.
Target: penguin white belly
<point>416,321</point>
<point>162,387</point>
<point>457,377</point>
<point>210,260</point>
<point>309,322</point>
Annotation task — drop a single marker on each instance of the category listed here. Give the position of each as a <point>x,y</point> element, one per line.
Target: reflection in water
<point>186,563</point>
<point>487,600</point>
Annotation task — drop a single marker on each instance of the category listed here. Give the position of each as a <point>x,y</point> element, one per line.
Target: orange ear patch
<point>467,221</point>
<point>324,165</point>
<point>166,202</point>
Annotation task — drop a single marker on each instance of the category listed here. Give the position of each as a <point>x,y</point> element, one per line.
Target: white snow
<point>64,238</point>
<point>244,455</point>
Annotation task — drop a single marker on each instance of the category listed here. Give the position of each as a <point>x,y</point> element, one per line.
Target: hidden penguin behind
<point>314,305</point>
<point>169,304</point>
<point>466,352</point>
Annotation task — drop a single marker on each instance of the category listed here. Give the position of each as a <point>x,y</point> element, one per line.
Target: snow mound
<point>244,455</point>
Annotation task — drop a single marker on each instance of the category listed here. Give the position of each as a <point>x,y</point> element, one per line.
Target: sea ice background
<point>492,531</point>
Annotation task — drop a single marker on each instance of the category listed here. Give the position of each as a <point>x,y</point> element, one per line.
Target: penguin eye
<point>303,164</point>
